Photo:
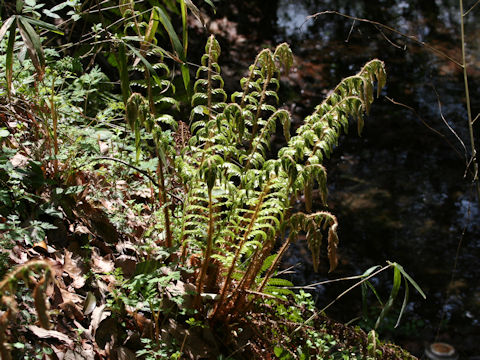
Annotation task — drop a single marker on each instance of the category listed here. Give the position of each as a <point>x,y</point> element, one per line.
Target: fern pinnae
<point>208,251</point>
<point>267,130</point>
<point>246,234</point>
<point>246,84</point>
<point>274,264</point>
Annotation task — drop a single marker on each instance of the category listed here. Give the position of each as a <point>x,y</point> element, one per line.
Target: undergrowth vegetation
<point>155,233</point>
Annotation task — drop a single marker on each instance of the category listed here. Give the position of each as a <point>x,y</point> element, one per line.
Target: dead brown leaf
<point>73,267</point>
<point>101,264</point>
<point>48,334</point>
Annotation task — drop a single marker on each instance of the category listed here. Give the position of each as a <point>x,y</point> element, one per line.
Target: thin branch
<point>411,38</point>
<point>390,41</point>
<point>448,125</point>
<point>476,117</point>
<point>342,294</point>
<point>350,32</point>
<point>473,6</point>
<point>469,109</point>
<point>312,286</point>
<point>426,125</point>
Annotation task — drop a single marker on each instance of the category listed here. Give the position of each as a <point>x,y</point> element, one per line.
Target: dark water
<point>399,191</point>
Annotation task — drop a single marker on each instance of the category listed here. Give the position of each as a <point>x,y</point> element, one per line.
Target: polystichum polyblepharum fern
<point>236,201</point>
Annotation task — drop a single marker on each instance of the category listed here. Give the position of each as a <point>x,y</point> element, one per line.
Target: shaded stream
<point>398,191</point>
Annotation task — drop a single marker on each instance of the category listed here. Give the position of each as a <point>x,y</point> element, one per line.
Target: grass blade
<point>369,284</point>
<point>404,304</point>
<point>123,70</point>
<point>195,11</point>
<point>397,281</point>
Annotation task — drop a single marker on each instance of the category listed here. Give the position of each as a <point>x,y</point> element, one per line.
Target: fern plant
<point>237,202</point>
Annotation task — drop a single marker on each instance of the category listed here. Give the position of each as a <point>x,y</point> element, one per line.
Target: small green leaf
<point>50,14</point>
<point>278,351</point>
<point>19,6</point>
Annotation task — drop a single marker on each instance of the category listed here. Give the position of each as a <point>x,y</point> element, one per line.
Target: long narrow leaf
<point>33,43</point>
<point>44,25</point>
<point>397,281</point>
<point>9,60</point>
<point>404,304</point>
<point>177,45</point>
<point>369,284</point>
<point>152,26</point>
<point>6,25</point>
<point>122,69</point>
<point>209,2</point>
<point>186,78</point>
<point>364,301</point>
<point>370,270</point>
<point>410,279</point>
<point>195,11</point>
<point>183,10</point>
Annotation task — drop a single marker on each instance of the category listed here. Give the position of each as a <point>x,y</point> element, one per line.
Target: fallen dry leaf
<point>73,267</point>
<point>19,160</point>
<point>48,334</point>
<point>72,311</point>
<point>90,303</point>
<point>124,353</point>
<point>98,315</point>
<point>100,264</point>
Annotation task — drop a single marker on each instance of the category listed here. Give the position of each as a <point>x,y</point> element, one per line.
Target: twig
<point>469,109</point>
<point>143,172</point>
<point>426,125</point>
<point>350,32</point>
<point>154,182</point>
<point>448,125</point>
<point>316,314</point>
<point>471,8</point>
<point>411,38</point>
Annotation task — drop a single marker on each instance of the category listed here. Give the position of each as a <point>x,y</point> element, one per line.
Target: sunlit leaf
<point>6,25</point>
